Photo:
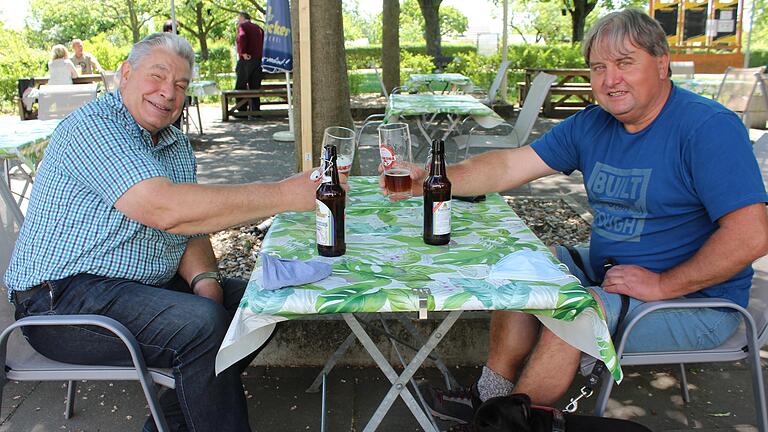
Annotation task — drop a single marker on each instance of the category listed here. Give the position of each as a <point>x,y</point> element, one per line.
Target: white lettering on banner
<point>619,198</point>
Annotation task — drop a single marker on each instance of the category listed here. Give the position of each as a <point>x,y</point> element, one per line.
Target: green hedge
<point>758,57</point>
<point>363,56</point>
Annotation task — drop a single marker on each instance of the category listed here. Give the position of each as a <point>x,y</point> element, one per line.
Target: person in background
<point>87,62</point>
<point>61,69</point>
<point>250,41</point>
<point>168,28</point>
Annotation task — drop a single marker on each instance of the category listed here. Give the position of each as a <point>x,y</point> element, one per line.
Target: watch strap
<point>205,275</point>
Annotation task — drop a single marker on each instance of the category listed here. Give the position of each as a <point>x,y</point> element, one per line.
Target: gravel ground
<point>553,221</point>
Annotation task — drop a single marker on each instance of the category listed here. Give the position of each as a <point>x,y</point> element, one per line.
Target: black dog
<point>516,414</point>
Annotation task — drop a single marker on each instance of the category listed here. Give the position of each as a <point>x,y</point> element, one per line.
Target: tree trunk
<point>579,12</point>
<point>201,33</point>
<point>390,44</point>
<point>330,87</point>
<point>430,9</point>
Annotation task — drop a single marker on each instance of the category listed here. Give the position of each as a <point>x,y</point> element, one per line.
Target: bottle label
<point>324,224</point>
<point>441,217</point>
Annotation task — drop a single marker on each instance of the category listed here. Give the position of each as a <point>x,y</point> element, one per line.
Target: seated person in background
<point>678,204</point>
<point>86,61</point>
<point>118,226</point>
<point>60,68</point>
<point>168,27</point>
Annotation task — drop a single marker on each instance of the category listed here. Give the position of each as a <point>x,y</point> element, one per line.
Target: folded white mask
<point>527,265</point>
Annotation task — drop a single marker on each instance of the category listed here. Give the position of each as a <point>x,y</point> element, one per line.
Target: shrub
<point>109,55</point>
<point>219,61</point>
<point>17,60</point>
<point>363,56</point>
<point>758,57</point>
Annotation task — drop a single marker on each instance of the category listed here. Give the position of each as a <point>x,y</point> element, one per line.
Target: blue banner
<point>278,43</point>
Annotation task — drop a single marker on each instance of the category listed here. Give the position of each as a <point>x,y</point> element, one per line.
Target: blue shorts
<point>666,330</point>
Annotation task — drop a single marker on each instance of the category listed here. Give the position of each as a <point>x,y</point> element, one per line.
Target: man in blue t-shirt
<point>679,211</point>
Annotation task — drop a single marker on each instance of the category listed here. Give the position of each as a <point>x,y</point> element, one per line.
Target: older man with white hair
<point>117,226</point>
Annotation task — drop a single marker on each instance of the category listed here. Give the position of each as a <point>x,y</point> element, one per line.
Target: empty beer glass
<point>395,150</point>
<point>344,140</point>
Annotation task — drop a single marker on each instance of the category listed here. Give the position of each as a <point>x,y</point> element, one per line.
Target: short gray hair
<point>171,42</point>
<point>614,28</point>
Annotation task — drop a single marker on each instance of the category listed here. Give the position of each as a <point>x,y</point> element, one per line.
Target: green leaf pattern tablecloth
<point>25,140</point>
<point>203,88</point>
<point>420,81</point>
<point>422,104</point>
<point>386,259</point>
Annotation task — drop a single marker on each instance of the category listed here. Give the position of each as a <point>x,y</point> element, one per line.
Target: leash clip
<point>574,404</point>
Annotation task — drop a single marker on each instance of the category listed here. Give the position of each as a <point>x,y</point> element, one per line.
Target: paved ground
<point>242,151</point>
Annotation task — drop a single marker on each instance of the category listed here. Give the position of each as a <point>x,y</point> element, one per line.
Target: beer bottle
<point>329,214</point>
<point>437,199</point>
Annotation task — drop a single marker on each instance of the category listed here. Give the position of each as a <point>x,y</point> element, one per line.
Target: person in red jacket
<point>250,40</point>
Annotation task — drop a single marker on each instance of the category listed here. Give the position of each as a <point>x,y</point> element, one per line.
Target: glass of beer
<point>395,150</point>
<point>344,140</point>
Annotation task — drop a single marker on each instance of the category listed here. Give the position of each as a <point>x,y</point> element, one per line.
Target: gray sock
<point>492,384</point>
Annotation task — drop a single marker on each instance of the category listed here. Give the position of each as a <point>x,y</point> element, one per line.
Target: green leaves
<point>362,297</point>
<point>260,301</point>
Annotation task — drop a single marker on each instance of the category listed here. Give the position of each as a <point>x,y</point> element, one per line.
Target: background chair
<point>20,362</point>
<point>111,81</point>
<point>505,135</point>
<point>489,97</point>
<point>737,90</point>
<point>686,69</point>
<point>57,101</point>
<point>744,345</point>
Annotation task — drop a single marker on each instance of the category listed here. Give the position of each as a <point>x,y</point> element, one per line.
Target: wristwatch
<point>205,275</point>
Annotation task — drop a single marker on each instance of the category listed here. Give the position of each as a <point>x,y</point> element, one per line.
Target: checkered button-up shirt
<point>95,155</point>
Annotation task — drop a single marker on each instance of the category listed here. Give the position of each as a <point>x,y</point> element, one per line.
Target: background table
<point>425,108</point>
<point>196,90</point>
<point>22,144</point>
<point>450,82</point>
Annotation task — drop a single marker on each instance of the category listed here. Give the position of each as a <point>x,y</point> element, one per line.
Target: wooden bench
<point>572,90</point>
<point>568,96</point>
<point>275,91</point>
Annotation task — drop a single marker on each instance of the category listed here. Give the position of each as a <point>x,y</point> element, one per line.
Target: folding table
<point>424,108</point>
<point>22,144</point>
<point>389,270</point>
<point>196,90</point>
<point>451,82</point>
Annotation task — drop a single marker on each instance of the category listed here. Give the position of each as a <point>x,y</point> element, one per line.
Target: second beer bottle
<point>329,214</point>
<point>437,199</point>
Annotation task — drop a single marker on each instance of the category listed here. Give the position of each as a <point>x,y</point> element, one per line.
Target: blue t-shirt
<point>657,194</point>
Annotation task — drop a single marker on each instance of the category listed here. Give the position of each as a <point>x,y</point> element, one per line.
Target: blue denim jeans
<point>664,330</point>
<point>174,328</point>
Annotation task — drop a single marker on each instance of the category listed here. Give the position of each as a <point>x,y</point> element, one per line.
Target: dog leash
<point>597,371</point>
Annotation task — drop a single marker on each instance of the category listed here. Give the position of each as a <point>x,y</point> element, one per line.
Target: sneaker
<point>457,405</point>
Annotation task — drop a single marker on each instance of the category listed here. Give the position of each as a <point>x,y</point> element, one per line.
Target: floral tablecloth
<point>422,104</point>
<point>203,88</point>
<point>25,140</point>
<point>386,260</point>
<point>419,81</point>
<point>706,88</point>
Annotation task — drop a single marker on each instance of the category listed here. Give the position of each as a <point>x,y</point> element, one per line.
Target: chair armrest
<point>642,311</point>
<point>107,323</point>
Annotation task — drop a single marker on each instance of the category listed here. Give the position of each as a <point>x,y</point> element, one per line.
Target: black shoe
<point>457,405</point>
